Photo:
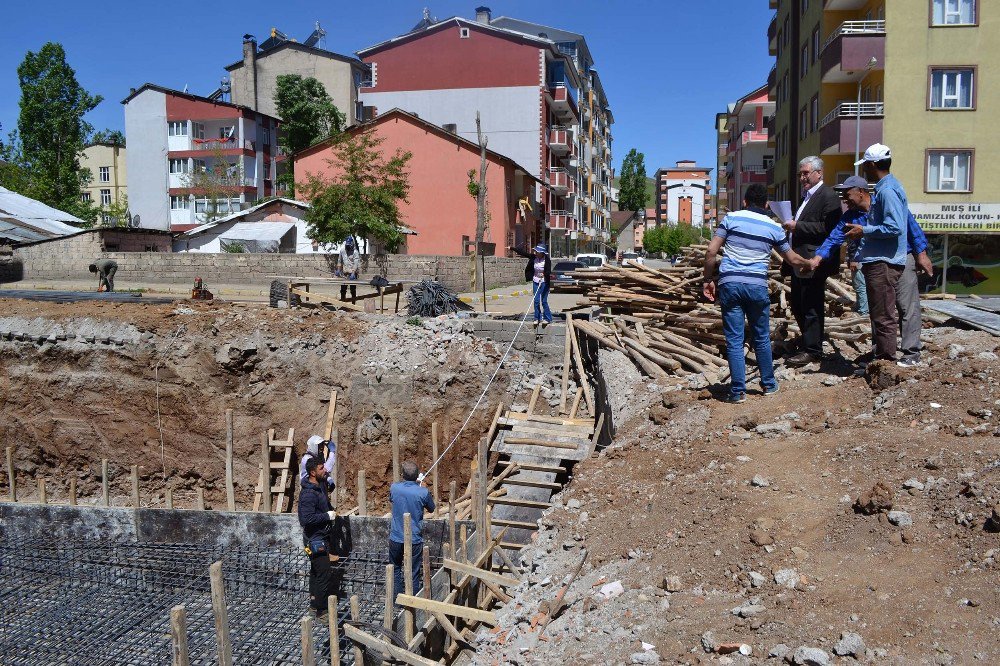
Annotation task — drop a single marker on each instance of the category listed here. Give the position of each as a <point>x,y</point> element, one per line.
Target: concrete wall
<point>68,260</point>
<point>146,159</point>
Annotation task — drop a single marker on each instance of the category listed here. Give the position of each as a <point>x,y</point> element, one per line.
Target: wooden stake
<point>178,636</point>
<point>265,473</point>
<point>426,562</point>
<point>331,612</point>
<point>170,498</point>
<point>221,612</point>
<point>359,654</point>
<point>449,609</point>
<point>395,449</point>
<point>464,544</point>
<point>408,572</point>
<point>566,361</point>
<point>387,649</point>
<point>42,496</point>
<point>451,518</point>
<point>308,651</point>
<point>330,434</point>
<point>135,486</point>
<point>11,478</point>
<point>534,398</point>
<point>390,596</point>
<point>362,494</point>
<point>105,491</point>
<point>434,472</point>
<point>584,382</point>
<point>200,498</point>
<point>230,489</point>
<point>72,492</point>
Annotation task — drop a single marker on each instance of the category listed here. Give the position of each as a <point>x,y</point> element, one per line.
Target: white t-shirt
<point>539,271</point>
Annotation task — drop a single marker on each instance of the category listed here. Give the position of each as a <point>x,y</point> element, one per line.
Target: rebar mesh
<point>109,603</point>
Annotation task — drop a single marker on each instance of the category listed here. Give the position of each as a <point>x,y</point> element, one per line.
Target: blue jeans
<point>396,553</point>
<point>860,288</point>
<point>743,303</point>
<point>540,296</point>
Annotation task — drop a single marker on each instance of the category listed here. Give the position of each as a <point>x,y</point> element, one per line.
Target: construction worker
<point>323,450</point>
<point>408,496</point>
<point>317,517</point>
<point>350,266</point>
<point>105,269</point>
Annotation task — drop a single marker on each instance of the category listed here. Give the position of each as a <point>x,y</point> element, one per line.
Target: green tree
<point>114,137</point>
<point>632,194</point>
<point>117,213</point>
<point>51,131</point>
<point>307,114</point>
<point>215,182</point>
<point>362,197</point>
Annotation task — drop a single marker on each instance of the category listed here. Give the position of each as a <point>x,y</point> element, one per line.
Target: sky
<point>668,66</point>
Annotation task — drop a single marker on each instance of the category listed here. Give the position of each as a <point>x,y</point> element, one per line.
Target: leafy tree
<point>116,214</point>
<point>307,114</point>
<point>216,182</point>
<point>362,198</point>
<point>51,131</point>
<point>114,137</point>
<point>632,193</point>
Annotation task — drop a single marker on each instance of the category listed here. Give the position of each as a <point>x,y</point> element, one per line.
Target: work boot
<point>803,358</point>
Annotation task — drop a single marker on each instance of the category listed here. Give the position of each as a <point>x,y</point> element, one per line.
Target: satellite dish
<point>135,221</point>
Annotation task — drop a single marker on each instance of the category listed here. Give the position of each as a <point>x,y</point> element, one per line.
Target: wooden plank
<point>408,571</point>
<point>72,491</point>
<point>531,483</point>
<point>309,297</point>
<point>12,479</point>
<point>534,398</point>
<point>531,441</point>
<point>536,467</point>
<point>481,574</point>
<point>561,420</point>
<point>135,485</point>
<point>435,493</point>
<point>221,613</point>
<point>331,614</point>
<point>362,494</point>
<point>576,402</point>
<point>42,496</point>
<point>584,381</point>
<point>230,489</point>
<point>551,430</point>
<point>308,650</point>
<point>566,360</point>
<point>512,546</point>
<point>390,595</point>
<point>454,610</point>
<point>105,491</point>
<point>359,654</point>
<point>395,449</point>
<point>513,501</point>
<point>515,524</point>
<point>387,649</point>
<point>597,433</point>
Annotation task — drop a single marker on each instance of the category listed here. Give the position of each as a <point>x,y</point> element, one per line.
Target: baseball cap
<point>875,153</point>
<point>851,183</point>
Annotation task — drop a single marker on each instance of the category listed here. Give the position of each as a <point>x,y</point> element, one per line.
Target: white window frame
<point>106,197</point>
<point>104,174</point>
<point>957,73</point>
<point>227,131</point>
<point>177,166</point>
<point>942,156</point>
<point>952,9</point>
<point>198,130</point>
<point>85,197</point>
<point>177,128</point>
<point>180,202</point>
<point>200,166</point>
<point>463,33</point>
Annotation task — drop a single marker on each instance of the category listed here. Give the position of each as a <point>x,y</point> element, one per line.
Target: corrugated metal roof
<point>257,231</point>
<point>40,217</point>
<point>243,213</point>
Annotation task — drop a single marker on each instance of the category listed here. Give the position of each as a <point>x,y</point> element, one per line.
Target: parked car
<point>632,256</point>
<point>592,260</point>
<point>562,275</point>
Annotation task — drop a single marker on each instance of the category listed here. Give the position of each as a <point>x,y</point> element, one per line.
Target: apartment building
<point>720,198</point>
<point>748,153</point>
<point>682,194</point>
<point>190,157</point>
<point>106,162</point>
<point>540,101</point>
<point>912,74</point>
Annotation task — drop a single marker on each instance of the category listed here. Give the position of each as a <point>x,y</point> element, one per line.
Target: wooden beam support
<point>481,574</point>
<point>362,494</point>
<point>230,488</point>
<point>105,491</point>
<point>387,649</point>
<point>359,654</point>
<point>178,637</point>
<point>511,501</point>
<point>221,612</point>
<point>11,477</point>
<point>395,449</point>
<point>308,650</point>
<point>566,361</point>
<point>331,614</point>
<point>454,610</point>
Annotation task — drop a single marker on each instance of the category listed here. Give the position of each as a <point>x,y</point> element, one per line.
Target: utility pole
<point>481,205</point>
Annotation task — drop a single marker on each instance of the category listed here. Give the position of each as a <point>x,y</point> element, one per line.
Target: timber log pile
<point>659,318</point>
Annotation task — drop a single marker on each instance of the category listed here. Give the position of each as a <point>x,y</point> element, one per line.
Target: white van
<point>592,260</point>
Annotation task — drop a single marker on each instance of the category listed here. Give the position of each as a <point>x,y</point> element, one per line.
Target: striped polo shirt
<point>750,236</point>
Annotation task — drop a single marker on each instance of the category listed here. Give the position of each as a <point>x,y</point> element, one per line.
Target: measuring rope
<point>535,299</point>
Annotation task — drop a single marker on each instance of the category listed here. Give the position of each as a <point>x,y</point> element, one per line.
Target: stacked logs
<point>659,318</point>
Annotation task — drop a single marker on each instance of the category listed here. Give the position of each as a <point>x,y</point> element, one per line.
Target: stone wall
<point>68,259</point>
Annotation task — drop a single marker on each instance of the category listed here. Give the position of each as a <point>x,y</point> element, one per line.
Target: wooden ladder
<point>279,473</point>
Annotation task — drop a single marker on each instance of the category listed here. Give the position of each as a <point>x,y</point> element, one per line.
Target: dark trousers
<point>808,301</point>
<point>354,293</point>
<point>396,558</point>
<point>320,581</point>
<point>881,279</point>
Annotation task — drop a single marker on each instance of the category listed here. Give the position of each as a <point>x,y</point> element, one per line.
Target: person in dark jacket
<point>539,273</point>
<point>105,269</point>
<point>815,219</point>
<point>316,517</point>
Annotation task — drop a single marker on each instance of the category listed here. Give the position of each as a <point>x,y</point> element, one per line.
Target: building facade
<point>539,100</point>
<point>720,198</point>
<point>683,194</point>
<point>108,183</point>
<point>440,211</point>
<point>191,158</point>
<point>907,73</point>
<point>254,79</point>
<point>749,156</point>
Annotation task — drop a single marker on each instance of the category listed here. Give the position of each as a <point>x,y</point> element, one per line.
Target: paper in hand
<point>783,209</point>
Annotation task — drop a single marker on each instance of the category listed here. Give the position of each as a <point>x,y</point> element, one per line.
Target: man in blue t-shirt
<point>747,237</point>
<point>408,496</point>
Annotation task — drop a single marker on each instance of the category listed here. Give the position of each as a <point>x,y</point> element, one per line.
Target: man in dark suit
<point>817,215</point>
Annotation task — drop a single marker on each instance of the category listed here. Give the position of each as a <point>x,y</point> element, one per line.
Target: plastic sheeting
<point>255,236</point>
<point>18,208</point>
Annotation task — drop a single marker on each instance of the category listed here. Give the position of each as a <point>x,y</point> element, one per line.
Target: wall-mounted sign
<point>957,218</point>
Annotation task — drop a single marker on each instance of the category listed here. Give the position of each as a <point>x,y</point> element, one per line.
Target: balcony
<point>753,173</point>
<point>562,219</point>
<point>772,36</point>
<point>559,181</point>
<point>772,84</point>
<point>750,134</point>
<point>560,140</point>
<point>850,47</point>
<point>723,149</point>
<point>563,99</point>
<point>221,144</point>
<point>843,5</point>
<point>838,129</point>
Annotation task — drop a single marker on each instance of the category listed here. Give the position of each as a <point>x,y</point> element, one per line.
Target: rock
<point>810,656</point>
<point>900,518</point>
<point>672,584</point>
<point>760,538</point>
<point>756,579</point>
<point>954,351</point>
<point>612,590</point>
<point>914,484</point>
<point>786,578</point>
<point>800,553</point>
<point>987,356</point>
<point>876,500</point>
<point>779,651</point>
<point>573,504</point>
<point>749,610</point>
<point>708,642</point>
<point>832,381</point>
<point>776,429</point>
<point>759,481</point>
<point>882,375</point>
<point>647,657</point>
<point>851,644</point>
<point>993,522</point>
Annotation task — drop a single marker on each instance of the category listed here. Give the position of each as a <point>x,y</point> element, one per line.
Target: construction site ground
<point>728,534</point>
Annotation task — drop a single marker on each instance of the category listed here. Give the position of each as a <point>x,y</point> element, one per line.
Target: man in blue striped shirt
<point>747,238</point>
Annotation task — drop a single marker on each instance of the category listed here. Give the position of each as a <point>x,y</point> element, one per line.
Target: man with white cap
<point>313,446</point>
<point>882,252</point>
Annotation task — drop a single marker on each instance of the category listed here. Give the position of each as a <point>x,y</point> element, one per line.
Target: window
<point>803,123</point>
<point>200,166</point>
<point>200,205</point>
<point>805,6</point>
<point>104,174</point>
<point>266,136</point>
<point>804,61</point>
<point>178,166</point>
<point>952,88</point>
<point>85,197</point>
<point>953,12</point>
<point>227,132</point>
<point>949,171</point>
<point>105,197</point>
<point>463,33</point>
<point>815,44</point>
<point>814,114</point>
<point>779,45</point>
<point>784,90</point>
<point>267,171</point>
<point>180,203</point>
<point>768,161</point>
<point>198,130</point>
<point>177,128</point>
<point>106,218</point>
<point>787,30</point>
